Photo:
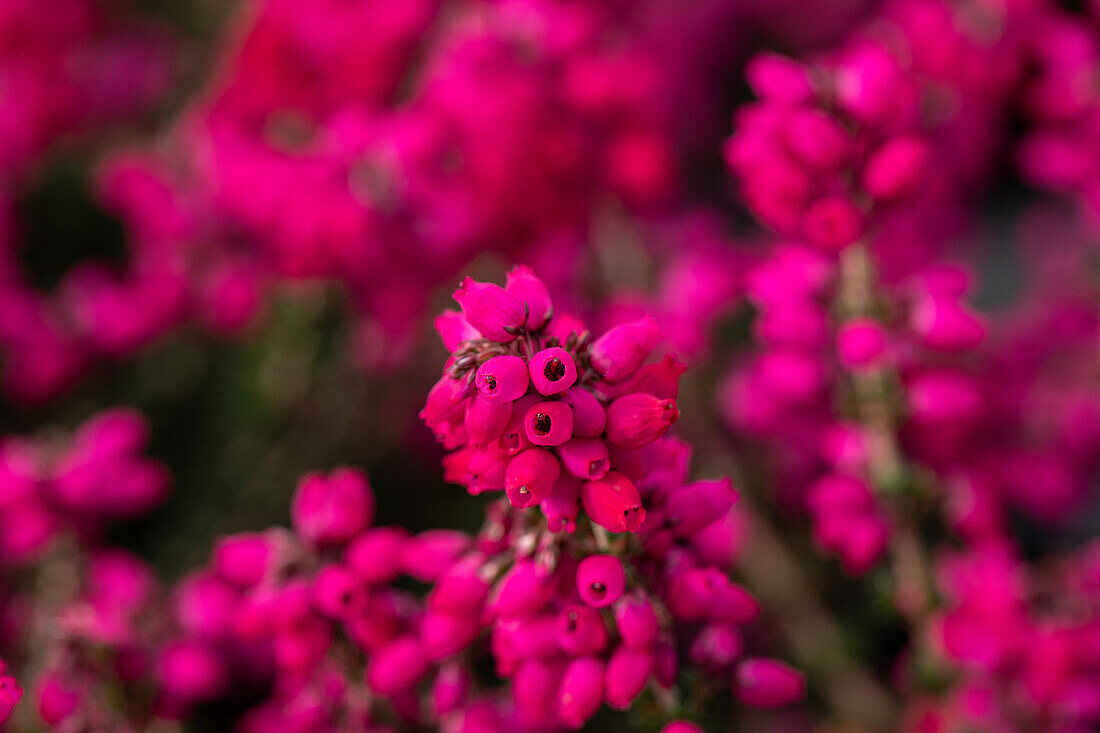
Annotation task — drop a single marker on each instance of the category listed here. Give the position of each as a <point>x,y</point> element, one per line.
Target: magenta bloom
<point>613,503</point>
<point>636,420</point>
<point>502,378</point>
<point>600,580</point>
<point>549,423</point>
<point>552,371</point>
<point>767,683</point>
<point>330,510</point>
<point>491,309</point>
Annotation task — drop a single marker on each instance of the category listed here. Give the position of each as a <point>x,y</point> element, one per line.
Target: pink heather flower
<point>694,506</point>
<point>491,309</point>
<point>533,689</point>
<point>521,591</point>
<point>486,420</point>
<point>613,503</point>
<point>636,420</point>
<point>243,559</point>
<point>502,379</point>
<point>589,415</point>
<point>450,688</point>
<point>626,674</point>
<point>191,671</point>
<point>661,379</point>
<point>454,329</point>
<point>562,505</point>
<point>427,555</point>
<point>833,223</point>
<point>55,697</point>
<point>716,647</point>
<point>681,726</point>
<point>896,168</point>
<point>585,458</point>
<point>767,683</point>
<point>330,510</point>
<point>552,371</point>
<point>600,580</point>
<point>375,555</point>
<point>581,691</point>
<point>531,476</point>
<point>549,423</point>
<point>861,343</point>
<point>10,694</point>
<point>944,324</point>
<point>581,631</point>
<point>620,351</point>
<point>778,77</point>
<point>636,621</point>
<point>397,667</point>
<point>531,291</point>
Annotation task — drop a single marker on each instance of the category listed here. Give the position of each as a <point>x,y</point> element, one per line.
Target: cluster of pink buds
<point>531,404</point>
<point>48,483</point>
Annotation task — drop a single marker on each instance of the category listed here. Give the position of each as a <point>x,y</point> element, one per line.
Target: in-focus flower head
<point>532,404</point>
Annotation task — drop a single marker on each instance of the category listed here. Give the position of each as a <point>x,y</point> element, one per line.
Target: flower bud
<point>945,324</point>
<point>243,559</point>
<point>489,308</point>
<point>620,351</point>
<point>449,690</point>
<point>443,634</point>
<point>549,423</point>
<point>860,343</point>
<point>833,223</point>
<point>681,726</point>
<point>445,401</point>
<point>330,510</point>
<point>589,415</point>
<point>191,671</point>
<point>660,380</point>
<point>613,503</point>
<point>428,554</point>
<point>461,589</point>
<point>502,379</point>
<point>531,476</point>
<point>581,631</point>
<point>336,590</point>
<point>374,556</point>
<point>716,647</point>
<point>585,458</point>
<point>773,76</point>
<point>666,664</point>
<point>522,591</point>
<point>896,168</point>
<point>552,371</point>
<point>768,683</point>
<point>485,420</point>
<point>600,580</point>
<point>626,674</point>
<point>636,621</point>
<point>397,666</point>
<point>532,293</point>
<point>691,508</point>
<point>453,329</point>
<point>581,691</point>
<point>514,439</point>
<point>534,688</point>
<point>638,419</point>
<point>561,507</point>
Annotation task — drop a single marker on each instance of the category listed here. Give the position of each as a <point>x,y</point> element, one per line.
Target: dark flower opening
<point>542,423</point>
<point>554,369</point>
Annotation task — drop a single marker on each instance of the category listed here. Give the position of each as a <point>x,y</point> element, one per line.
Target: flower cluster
<point>49,484</point>
<point>532,405</point>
